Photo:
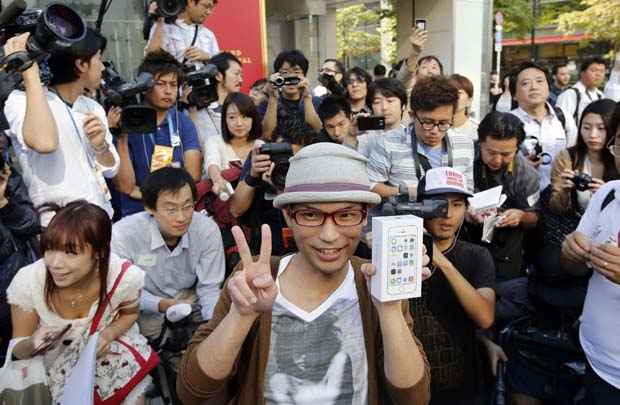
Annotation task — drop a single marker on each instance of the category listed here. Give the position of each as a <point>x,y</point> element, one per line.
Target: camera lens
<point>170,8</point>
<point>65,23</point>
<point>545,158</point>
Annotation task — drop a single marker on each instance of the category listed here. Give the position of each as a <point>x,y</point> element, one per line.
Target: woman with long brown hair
<point>76,290</point>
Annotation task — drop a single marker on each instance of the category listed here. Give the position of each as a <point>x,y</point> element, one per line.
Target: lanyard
<point>422,162</point>
<point>174,138</point>
<point>89,158</point>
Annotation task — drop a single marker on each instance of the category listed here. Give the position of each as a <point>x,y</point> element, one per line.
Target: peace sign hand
<point>253,289</point>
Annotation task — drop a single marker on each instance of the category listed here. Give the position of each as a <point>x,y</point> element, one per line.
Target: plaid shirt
<point>391,159</point>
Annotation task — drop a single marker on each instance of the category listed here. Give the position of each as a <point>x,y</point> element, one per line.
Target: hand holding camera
<point>260,163</point>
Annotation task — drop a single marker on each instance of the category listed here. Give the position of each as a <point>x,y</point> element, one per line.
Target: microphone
<point>12,11</point>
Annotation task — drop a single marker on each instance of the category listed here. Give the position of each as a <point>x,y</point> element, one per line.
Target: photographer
<point>545,135</point>
<point>498,164</point>
<point>589,157</point>
<point>174,143</point>
<point>290,105</point>
<point>334,69</point>
<point>187,39</point>
<point>458,297</point>
<point>402,156</point>
<point>388,99</point>
<point>228,80</point>
<point>60,136</point>
<point>19,225</point>
<point>594,247</point>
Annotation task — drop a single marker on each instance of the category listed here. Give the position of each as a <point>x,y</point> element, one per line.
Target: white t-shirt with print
<point>600,322</point>
<point>317,357</point>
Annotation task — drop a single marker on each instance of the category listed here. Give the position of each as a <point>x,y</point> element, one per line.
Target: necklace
<point>76,300</point>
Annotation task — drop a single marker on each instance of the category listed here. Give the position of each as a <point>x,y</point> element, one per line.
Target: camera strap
<point>193,40</point>
<point>421,162</point>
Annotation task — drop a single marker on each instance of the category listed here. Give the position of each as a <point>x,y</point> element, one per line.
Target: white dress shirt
<point>551,135</point>
<point>568,99</point>
<point>177,37</point>
<point>71,172</point>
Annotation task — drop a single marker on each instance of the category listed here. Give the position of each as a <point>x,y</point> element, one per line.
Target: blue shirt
<point>141,147</point>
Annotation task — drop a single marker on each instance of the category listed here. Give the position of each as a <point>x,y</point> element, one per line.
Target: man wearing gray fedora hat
<point>303,329</point>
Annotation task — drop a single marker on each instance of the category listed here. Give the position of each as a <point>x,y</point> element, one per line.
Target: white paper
<point>483,200</point>
<point>80,385</point>
<point>488,229</point>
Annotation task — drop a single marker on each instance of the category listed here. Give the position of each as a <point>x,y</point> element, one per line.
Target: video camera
<point>329,82</point>
<point>203,84</point>
<point>54,28</point>
<point>282,81</point>
<point>400,204</point>
<point>279,154</point>
<point>117,92</point>
<point>170,9</point>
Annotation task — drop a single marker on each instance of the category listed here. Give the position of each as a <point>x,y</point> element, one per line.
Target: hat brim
<point>448,190</point>
<point>300,197</point>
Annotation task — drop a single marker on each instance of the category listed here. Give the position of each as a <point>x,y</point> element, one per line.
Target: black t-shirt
<point>444,328</point>
<point>291,119</point>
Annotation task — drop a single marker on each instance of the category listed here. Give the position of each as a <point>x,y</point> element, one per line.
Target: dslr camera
<point>279,154</point>
<point>203,84</point>
<point>582,181</point>
<point>117,92</point>
<point>531,146</point>
<point>282,81</point>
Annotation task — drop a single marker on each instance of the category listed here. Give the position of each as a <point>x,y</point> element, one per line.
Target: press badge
<point>162,157</point>
<point>149,260</point>
<point>175,140</point>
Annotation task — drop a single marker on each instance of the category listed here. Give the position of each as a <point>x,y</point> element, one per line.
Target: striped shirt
<point>391,160</point>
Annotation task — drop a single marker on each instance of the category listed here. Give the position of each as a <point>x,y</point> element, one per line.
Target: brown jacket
<point>560,201</point>
<point>245,384</point>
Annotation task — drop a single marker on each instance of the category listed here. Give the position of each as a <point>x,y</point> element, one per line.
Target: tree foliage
<point>598,18</point>
<point>518,16</point>
<point>352,37</point>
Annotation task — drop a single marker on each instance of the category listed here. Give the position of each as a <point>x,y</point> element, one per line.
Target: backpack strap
<point>560,114</point>
<point>108,297</point>
<point>608,199</point>
<point>576,113</point>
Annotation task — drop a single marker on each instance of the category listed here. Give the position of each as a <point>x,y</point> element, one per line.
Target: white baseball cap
<point>444,180</point>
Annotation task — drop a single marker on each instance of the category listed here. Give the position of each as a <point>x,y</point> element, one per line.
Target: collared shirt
<point>567,100</point>
<point>367,140</point>
<point>391,160</point>
<point>198,259</point>
<point>551,135</point>
<point>142,146</point>
<point>177,37</point>
<point>71,172</point>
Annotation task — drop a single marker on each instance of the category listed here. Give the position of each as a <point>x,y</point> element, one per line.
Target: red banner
<point>239,26</point>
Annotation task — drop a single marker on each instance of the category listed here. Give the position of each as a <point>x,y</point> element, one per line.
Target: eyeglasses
<point>315,218</point>
<point>428,125</point>
<point>614,150</point>
<point>328,70</point>
<point>173,211</point>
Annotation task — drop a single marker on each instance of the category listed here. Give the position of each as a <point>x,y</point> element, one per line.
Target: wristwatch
<point>251,181</point>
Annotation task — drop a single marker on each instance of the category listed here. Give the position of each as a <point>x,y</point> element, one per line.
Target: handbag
<point>23,382</point>
<point>125,370</point>
<point>145,364</point>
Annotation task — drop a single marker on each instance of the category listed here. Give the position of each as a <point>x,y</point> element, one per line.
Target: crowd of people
<point>255,209</point>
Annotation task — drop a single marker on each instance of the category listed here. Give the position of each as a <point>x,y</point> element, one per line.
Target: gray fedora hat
<point>327,172</point>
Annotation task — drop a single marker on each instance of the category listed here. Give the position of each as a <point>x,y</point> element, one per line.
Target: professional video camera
<point>53,28</point>
<point>279,154</point>
<point>136,117</point>
<point>203,84</point>
<point>400,204</point>
<point>329,82</point>
<point>170,8</point>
